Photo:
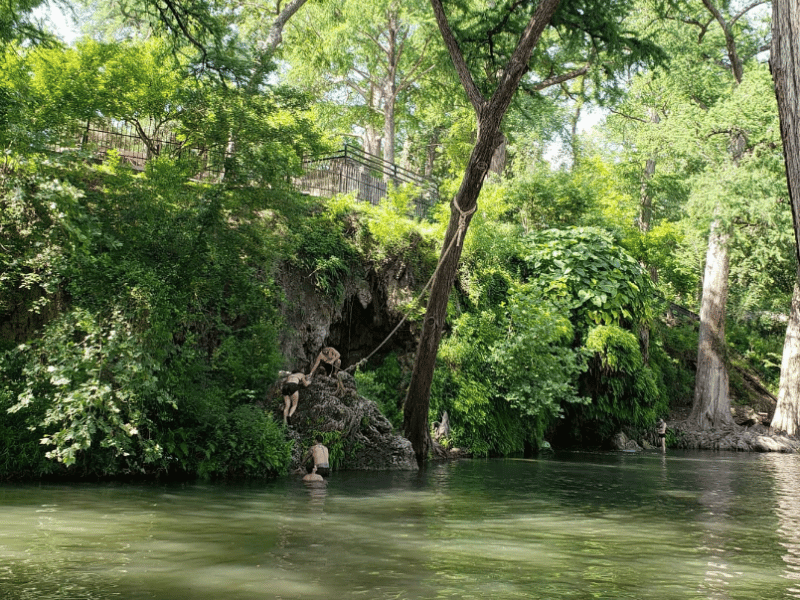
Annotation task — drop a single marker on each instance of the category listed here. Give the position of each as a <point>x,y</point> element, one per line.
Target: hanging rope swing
<point>457,239</point>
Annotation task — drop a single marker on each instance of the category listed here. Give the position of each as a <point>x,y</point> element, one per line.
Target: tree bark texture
<point>490,115</point>
<point>275,35</point>
<point>499,158</point>
<point>645,199</point>
<point>390,88</point>
<point>787,413</point>
<point>712,406</point>
<point>645,224</point>
<point>784,63</point>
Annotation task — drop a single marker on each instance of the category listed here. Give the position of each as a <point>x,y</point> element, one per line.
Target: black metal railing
<point>353,170</point>
<point>348,170</point>
<point>135,146</point>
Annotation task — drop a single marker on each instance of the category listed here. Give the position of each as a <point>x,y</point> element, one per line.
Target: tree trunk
<point>275,35</point>
<point>498,164</point>
<point>372,141</point>
<point>388,127</point>
<point>490,115</point>
<point>574,142</point>
<point>784,63</point>
<point>645,199</point>
<point>787,413</point>
<point>645,224</point>
<point>390,87</point>
<point>430,152</point>
<point>274,39</point>
<point>415,414</point>
<point>712,405</point>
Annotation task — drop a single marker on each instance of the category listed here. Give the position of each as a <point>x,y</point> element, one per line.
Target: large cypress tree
<point>785,65</point>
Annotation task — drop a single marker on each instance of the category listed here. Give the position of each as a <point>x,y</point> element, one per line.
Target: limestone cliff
<point>355,323</point>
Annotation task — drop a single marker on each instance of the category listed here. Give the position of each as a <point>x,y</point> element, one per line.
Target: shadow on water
<point>573,525</point>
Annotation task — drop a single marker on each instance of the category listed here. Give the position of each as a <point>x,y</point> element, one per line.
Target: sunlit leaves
<point>515,358</point>
<point>96,387</point>
<point>598,280</point>
<point>624,391</point>
<point>534,361</point>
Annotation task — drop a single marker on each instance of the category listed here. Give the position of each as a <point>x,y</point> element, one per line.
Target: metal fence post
<point>85,136</point>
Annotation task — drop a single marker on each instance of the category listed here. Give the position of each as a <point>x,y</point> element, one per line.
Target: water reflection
<point>317,491</point>
<point>716,495</point>
<point>786,474</point>
<point>575,526</point>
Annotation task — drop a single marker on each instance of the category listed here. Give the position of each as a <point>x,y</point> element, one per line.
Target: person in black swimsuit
<point>291,393</point>
<point>661,429</point>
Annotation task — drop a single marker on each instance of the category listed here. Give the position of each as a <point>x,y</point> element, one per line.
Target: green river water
<point>569,525</point>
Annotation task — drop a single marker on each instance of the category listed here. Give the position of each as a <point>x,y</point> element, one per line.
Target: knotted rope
<point>462,222</point>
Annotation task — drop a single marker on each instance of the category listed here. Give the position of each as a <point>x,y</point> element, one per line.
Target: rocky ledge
<point>362,438</point>
<point>755,438</point>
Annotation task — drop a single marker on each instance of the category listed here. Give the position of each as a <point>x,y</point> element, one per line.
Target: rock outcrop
<point>623,443</point>
<point>363,438</point>
<point>355,322</point>
<point>757,438</point>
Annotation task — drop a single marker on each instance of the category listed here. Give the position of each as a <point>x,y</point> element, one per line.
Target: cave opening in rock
<point>363,328</point>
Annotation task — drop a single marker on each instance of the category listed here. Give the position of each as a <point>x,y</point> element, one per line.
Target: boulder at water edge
<point>332,404</point>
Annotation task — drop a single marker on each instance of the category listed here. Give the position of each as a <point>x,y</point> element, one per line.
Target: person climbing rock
<point>291,393</point>
<point>329,358</point>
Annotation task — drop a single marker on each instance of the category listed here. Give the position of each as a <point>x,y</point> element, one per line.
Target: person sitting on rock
<point>291,393</point>
<point>320,455</point>
<point>329,358</point>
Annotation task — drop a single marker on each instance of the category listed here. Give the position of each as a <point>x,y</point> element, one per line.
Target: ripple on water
<point>569,526</point>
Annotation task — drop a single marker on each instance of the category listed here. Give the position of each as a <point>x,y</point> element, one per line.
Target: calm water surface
<point>688,525</point>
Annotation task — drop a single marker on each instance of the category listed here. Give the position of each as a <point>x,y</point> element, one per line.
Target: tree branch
<point>627,116</point>
<point>411,78</point>
<point>518,64</point>
<point>172,9</point>
<point>557,79</point>
<point>730,42</point>
<point>747,9</point>
<point>473,93</point>
<point>275,35</point>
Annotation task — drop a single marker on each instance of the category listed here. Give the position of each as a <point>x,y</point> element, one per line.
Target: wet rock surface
<point>622,443</point>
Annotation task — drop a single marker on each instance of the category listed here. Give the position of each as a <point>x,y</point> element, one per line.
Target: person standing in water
<point>320,455</point>
<point>313,476</point>
<point>661,429</point>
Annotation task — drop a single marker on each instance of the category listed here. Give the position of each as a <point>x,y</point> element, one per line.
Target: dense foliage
<point>167,330</point>
<point>139,321</point>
